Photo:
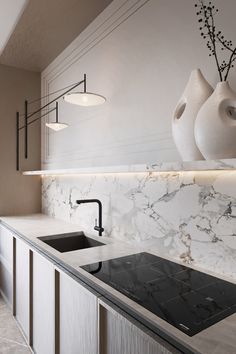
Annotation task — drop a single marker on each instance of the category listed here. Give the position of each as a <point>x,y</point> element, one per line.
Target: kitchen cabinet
<point>22,286</point>
<point>59,314</point>
<point>7,242</point>
<point>78,318</point>
<point>118,335</point>
<point>43,305</point>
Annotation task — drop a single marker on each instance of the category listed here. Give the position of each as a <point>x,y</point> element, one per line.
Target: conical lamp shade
<point>84,99</point>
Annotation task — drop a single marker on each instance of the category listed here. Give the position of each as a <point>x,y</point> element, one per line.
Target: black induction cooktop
<point>189,300</point>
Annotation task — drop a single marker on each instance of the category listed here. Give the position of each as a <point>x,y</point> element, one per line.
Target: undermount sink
<point>70,242</point>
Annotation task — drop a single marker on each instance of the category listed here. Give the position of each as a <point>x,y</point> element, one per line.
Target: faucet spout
<point>98,227</point>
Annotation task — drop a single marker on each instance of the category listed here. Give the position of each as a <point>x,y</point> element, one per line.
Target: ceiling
<point>10,13</point>
<point>46,28</point>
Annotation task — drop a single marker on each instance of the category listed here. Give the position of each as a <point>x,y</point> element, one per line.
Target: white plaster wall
<point>139,54</point>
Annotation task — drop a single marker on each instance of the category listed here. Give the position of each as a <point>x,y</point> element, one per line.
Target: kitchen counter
<point>217,339</point>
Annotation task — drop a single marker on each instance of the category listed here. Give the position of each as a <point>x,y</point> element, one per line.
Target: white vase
<point>215,126</point>
<point>195,94</point>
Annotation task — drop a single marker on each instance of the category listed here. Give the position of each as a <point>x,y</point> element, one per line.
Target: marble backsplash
<point>187,215</point>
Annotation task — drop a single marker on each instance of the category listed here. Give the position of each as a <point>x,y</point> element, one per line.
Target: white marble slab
<point>228,164</point>
<point>189,215</point>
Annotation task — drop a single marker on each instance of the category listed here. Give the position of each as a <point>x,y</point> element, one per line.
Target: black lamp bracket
<point>42,113</point>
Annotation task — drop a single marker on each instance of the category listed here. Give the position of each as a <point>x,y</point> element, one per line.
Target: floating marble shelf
<point>229,164</point>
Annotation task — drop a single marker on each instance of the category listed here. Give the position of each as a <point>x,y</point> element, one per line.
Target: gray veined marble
<point>187,215</point>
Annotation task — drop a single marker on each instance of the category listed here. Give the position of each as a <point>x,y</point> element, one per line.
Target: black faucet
<point>98,227</point>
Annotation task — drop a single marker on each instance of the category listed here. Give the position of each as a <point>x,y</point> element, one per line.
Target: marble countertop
<point>217,339</point>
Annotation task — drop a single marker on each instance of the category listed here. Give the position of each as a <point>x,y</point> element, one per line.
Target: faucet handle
<point>100,229</point>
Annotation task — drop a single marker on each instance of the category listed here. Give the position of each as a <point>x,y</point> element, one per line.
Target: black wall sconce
<point>82,98</point>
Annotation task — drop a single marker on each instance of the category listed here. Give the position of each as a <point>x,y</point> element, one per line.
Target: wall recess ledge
<point>216,165</point>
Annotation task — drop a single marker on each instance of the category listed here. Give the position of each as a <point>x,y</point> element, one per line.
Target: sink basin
<point>70,242</point>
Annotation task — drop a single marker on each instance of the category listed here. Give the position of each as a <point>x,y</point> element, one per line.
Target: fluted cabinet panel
<point>78,318</point>
<point>43,306</point>
<point>118,335</point>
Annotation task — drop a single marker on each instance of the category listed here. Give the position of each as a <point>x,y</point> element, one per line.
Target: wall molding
<point>110,19</point>
<point>144,139</point>
<point>107,22</point>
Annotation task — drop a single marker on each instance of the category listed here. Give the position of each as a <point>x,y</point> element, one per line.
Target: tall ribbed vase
<point>195,94</point>
<point>215,126</point>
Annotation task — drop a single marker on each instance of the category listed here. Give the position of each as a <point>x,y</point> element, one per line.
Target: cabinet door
<point>6,264</point>
<point>43,306</point>
<point>78,318</point>
<point>22,286</point>
<point>118,335</point>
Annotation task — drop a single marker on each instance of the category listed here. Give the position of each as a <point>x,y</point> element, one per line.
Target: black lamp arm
<point>56,112</point>
<point>26,129</point>
<point>57,98</point>
<point>41,116</point>
<point>27,116</point>
<point>85,83</point>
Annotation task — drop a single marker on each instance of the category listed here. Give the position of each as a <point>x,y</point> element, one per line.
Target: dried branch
<point>206,14</point>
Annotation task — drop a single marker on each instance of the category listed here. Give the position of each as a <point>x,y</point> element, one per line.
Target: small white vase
<point>215,126</point>
<point>195,94</point>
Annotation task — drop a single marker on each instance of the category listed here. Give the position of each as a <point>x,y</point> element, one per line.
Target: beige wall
<point>18,194</point>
